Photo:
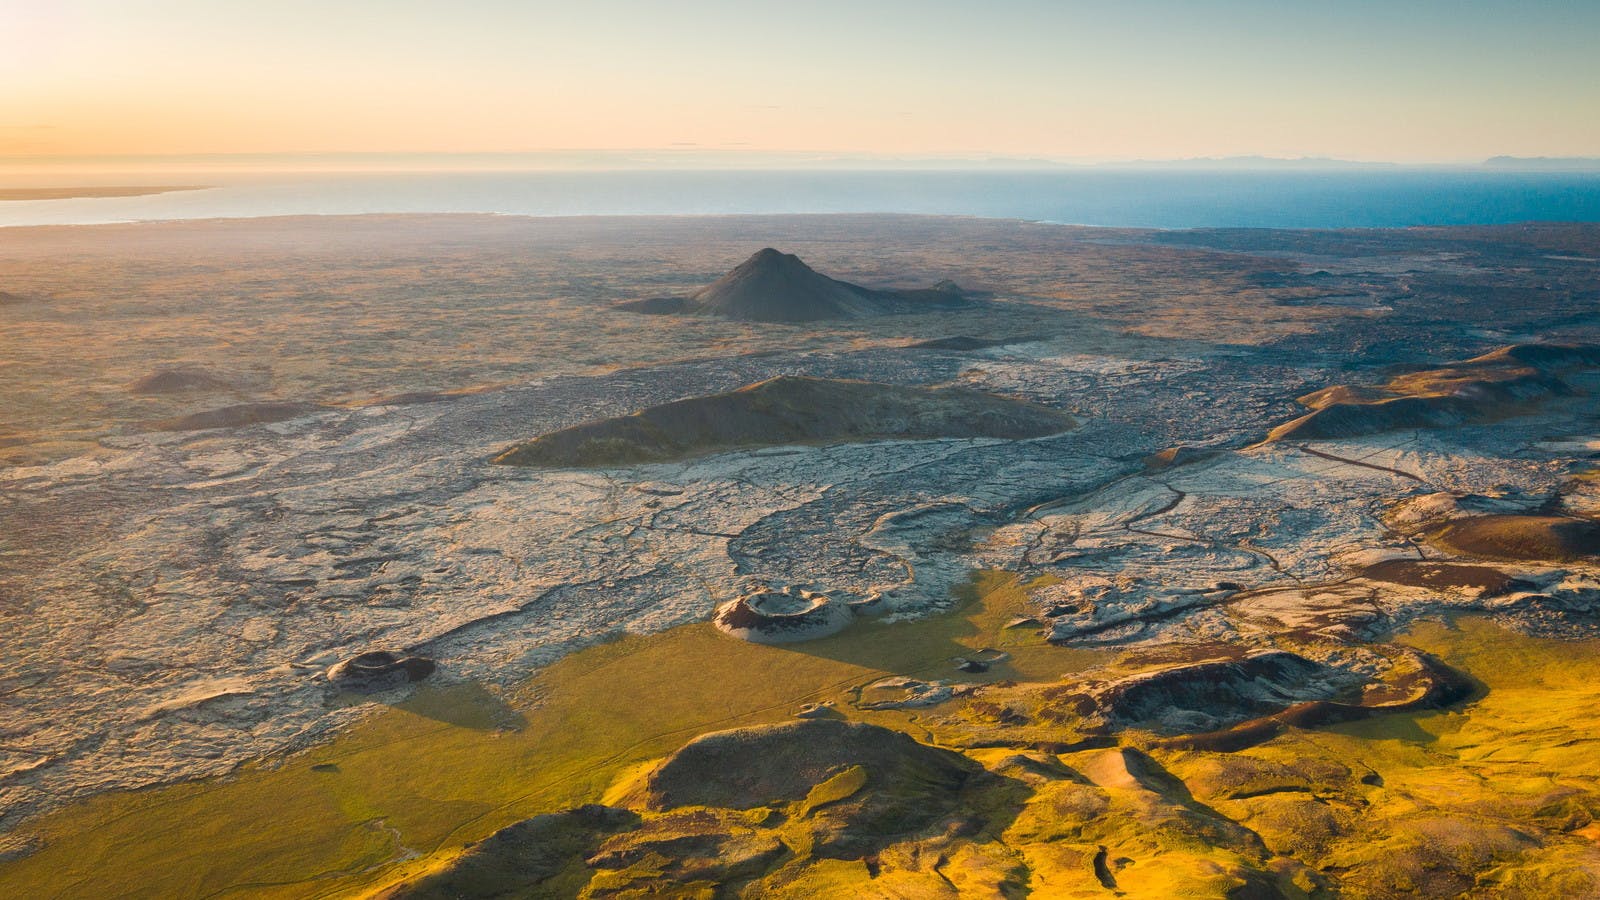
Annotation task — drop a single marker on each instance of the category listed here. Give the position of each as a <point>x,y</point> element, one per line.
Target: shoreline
<point>44,194</point>
<point>888,217</point>
<point>1164,200</point>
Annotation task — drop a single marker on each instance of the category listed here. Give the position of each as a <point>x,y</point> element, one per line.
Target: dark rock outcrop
<point>787,410</point>
<point>682,848</point>
<point>519,860</point>
<point>379,670</point>
<point>964,343</point>
<point>1520,537</point>
<point>749,767</point>
<point>1211,693</point>
<point>240,415</point>
<point>1173,457</point>
<point>1485,581</point>
<point>1415,681</point>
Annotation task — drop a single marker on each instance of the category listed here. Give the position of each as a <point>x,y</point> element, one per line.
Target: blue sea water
<point>1136,198</point>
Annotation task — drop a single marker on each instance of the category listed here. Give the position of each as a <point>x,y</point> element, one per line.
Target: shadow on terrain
<point>464,705</point>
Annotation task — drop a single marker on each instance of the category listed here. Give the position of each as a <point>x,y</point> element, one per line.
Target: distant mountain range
<point>1545,163</point>
<point>704,159</point>
<point>1249,162</point>
<point>1522,163</point>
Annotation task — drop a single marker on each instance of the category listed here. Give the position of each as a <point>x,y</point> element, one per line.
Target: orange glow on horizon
<point>1022,79</point>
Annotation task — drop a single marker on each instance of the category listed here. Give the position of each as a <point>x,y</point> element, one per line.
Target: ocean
<point>1123,197</point>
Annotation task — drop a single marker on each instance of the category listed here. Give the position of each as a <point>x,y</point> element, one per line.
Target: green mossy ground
<point>1499,796</point>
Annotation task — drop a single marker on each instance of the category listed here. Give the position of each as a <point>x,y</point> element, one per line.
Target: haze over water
<point>1130,198</point>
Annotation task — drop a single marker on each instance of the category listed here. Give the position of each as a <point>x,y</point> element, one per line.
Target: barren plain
<point>1168,648</point>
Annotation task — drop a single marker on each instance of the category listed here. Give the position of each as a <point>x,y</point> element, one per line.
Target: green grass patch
<point>1403,795</point>
<point>397,792</point>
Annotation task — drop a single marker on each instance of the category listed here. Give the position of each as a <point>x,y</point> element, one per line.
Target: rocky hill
<point>1503,382</point>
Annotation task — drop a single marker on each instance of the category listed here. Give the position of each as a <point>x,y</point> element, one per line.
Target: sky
<point>1401,81</point>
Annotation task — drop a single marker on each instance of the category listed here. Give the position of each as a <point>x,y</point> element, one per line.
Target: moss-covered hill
<point>787,410</point>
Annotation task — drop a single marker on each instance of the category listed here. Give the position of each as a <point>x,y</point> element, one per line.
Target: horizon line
<point>701,158</point>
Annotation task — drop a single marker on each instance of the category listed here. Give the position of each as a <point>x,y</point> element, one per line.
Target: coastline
<point>1135,198</point>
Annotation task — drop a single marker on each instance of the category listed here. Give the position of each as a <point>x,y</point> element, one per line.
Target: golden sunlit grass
<point>436,772</point>
<point>393,796</point>
<point>1432,790</point>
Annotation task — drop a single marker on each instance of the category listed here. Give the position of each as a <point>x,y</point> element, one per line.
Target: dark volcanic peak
<point>778,287</point>
<point>772,286</point>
